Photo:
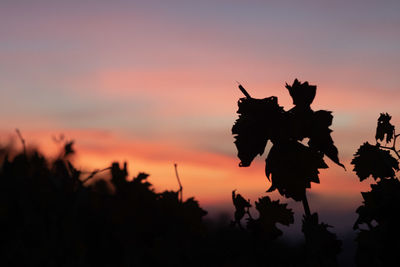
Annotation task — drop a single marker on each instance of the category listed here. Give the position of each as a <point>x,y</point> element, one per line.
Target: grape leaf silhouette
<point>384,127</point>
<point>258,121</point>
<point>381,204</point>
<point>372,160</point>
<point>302,94</point>
<point>320,135</point>
<point>270,213</point>
<point>291,167</point>
<point>261,120</point>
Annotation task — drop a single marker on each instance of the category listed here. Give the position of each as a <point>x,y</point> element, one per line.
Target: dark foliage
<point>261,120</point>
<point>291,166</point>
<point>302,94</point>
<point>270,213</point>
<point>379,243</point>
<point>381,204</point>
<point>322,245</point>
<point>258,122</point>
<point>384,127</point>
<point>372,160</point>
<point>50,217</point>
<point>241,208</point>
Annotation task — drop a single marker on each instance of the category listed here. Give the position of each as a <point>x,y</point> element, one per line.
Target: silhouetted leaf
<point>380,212</point>
<point>320,135</point>
<point>259,120</point>
<point>298,123</point>
<point>381,204</point>
<point>372,160</point>
<point>273,211</point>
<point>292,167</point>
<point>302,93</point>
<point>270,213</point>
<point>240,207</point>
<point>384,128</point>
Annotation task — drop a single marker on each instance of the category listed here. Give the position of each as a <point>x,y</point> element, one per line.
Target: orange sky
<point>154,83</point>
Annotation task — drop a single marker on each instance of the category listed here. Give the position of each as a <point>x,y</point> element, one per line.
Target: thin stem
<point>394,138</point>
<point>93,173</point>
<point>306,206</point>
<point>393,148</point>
<point>179,182</point>
<point>21,139</point>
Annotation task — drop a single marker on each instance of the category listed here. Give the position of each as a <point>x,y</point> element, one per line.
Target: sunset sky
<point>153,83</point>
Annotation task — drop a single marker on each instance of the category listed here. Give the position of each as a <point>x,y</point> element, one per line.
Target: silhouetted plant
<point>241,208</point>
<point>291,166</point>
<point>48,217</point>
<point>270,213</point>
<point>379,244</point>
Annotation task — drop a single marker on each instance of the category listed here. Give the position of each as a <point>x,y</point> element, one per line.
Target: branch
<point>179,182</point>
<point>393,148</point>
<point>93,173</point>
<point>22,140</point>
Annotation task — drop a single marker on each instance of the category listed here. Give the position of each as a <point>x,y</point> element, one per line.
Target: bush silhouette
<point>48,217</point>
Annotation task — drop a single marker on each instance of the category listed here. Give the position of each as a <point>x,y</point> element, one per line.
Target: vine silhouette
<point>290,166</point>
<point>378,244</point>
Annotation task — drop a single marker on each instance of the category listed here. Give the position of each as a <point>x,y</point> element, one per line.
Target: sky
<point>153,83</point>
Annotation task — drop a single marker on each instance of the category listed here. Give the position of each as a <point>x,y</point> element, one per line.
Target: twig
<point>22,139</point>
<point>393,148</point>
<point>179,182</point>
<point>243,90</point>
<point>93,173</point>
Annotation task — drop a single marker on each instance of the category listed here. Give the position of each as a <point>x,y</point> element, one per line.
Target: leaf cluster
<point>378,244</point>
<point>380,205</point>
<point>269,214</point>
<point>373,160</point>
<point>290,165</point>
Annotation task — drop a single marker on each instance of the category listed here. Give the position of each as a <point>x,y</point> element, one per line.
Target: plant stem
<point>179,183</point>
<point>393,148</point>
<point>306,206</point>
